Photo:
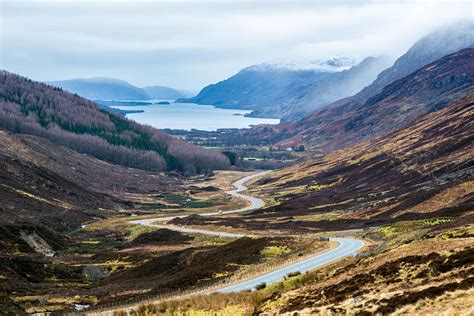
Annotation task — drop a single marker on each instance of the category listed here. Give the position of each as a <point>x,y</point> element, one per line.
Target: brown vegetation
<point>37,109</point>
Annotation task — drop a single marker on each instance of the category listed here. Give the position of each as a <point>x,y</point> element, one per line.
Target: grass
<point>318,187</point>
<point>238,304</point>
<point>388,231</point>
<point>208,240</point>
<point>90,247</point>
<point>437,221</point>
<point>275,251</point>
<point>457,232</point>
<point>136,230</point>
<point>220,275</point>
<point>287,284</point>
<point>359,159</point>
<point>401,230</point>
<point>49,303</point>
<point>186,201</point>
<point>386,200</point>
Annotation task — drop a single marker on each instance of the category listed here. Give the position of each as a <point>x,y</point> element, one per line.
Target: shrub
<point>260,286</point>
<point>93,273</point>
<point>293,274</point>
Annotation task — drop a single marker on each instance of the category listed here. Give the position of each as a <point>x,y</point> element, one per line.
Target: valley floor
<point>112,260</point>
<point>67,240</point>
<point>406,267</point>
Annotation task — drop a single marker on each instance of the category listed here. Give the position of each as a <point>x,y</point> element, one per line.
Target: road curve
<point>255,203</point>
<point>346,247</point>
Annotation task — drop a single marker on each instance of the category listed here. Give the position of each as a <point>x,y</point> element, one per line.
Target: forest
<point>66,119</point>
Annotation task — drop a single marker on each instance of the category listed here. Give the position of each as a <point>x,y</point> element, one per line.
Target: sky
<point>189,44</point>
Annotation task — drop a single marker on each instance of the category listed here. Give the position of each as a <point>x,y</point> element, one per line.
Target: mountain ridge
<point>399,103</point>
<point>279,92</point>
<point>112,89</point>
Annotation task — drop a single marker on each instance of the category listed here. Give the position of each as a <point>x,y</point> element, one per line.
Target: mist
<point>190,44</point>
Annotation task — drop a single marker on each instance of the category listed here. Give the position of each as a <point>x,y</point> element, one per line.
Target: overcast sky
<point>189,44</point>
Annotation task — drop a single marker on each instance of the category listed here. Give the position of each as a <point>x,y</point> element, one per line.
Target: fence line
<point>132,302</point>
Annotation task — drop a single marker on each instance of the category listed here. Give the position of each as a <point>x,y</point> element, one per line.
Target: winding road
<point>345,247</point>
<point>255,203</point>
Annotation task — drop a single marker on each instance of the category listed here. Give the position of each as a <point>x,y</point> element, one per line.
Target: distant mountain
<point>102,89</point>
<point>165,93</point>
<point>334,64</point>
<point>314,129</point>
<point>398,104</point>
<point>444,41</point>
<point>69,120</point>
<point>283,90</point>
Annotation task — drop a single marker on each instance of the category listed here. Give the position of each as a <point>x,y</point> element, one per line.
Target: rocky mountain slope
<point>400,103</point>
<point>444,41</point>
<point>289,92</point>
<point>69,120</point>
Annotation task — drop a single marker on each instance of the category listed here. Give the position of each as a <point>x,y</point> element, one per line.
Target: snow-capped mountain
<point>276,89</point>
<point>334,64</point>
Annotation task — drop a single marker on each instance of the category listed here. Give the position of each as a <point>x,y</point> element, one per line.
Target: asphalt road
<point>255,203</point>
<point>345,248</point>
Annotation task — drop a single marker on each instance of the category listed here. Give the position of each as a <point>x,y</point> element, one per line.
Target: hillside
<point>384,178</point>
<point>411,194</point>
<point>51,185</point>
<point>400,103</point>
<point>64,225</point>
<point>408,196</point>
<point>34,108</point>
<point>47,192</point>
<point>280,91</point>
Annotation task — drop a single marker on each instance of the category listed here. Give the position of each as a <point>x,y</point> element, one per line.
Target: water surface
<point>189,116</point>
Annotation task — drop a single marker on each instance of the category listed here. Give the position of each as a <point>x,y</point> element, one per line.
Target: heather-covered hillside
<point>34,108</point>
<point>421,171</point>
<point>50,185</point>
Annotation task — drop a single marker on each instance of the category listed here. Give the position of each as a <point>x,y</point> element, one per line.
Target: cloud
<point>189,44</point>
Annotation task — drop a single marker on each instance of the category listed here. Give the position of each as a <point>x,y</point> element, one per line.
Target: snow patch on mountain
<point>334,64</point>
